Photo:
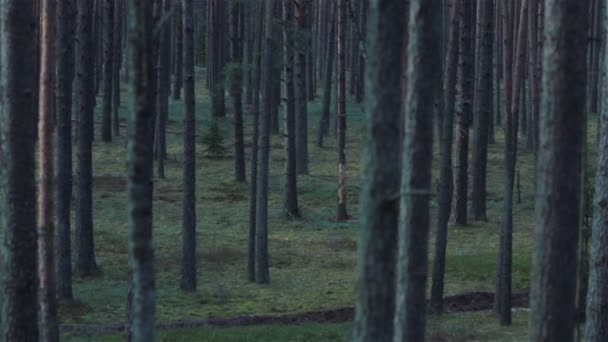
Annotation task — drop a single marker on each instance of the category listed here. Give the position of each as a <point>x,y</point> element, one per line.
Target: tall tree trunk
<point>466,80</point>
<point>382,175</point>
<point>291,179</point>
<point>483,101</point>
<point>300,91</point>
<point>327,80</point>
<point>108,62</point>
<point>117,65</point>
<point>237,90</point>
<point>46,174</point>
<point>162,100</point>
<point>423,76</point>
<point>262,275</point>
<point>188,281</point>
<point>179,51</point>
<point>255,109</point>
<point>342,214</point>
<point>66,25</point>
<point>18,131</point>
<point>85,245</point>
<point>140,165</point>
<point>556,233</point>
<point>446,177</point>
<point>216,28</point>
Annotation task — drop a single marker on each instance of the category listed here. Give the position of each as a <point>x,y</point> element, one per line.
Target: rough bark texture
<point>382,175</point>
<point>446,177</point>
<point>341,214</point>
<point>262,274</point>
<point>66,25</point>
<point>18,131</point>
<point>85,246</point>
<point>596,327</point>
<point>188,281</point>
<point>139,166</point>
<point>423,77</point>
<point>46,176</point>
<point>483,102</point>
<point>291,180</point>
<point>554,262</point>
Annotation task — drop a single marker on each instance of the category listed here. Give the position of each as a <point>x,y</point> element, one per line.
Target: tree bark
<point>423,77</point>
<point>342,214</point>
<point>117,65</point>
<point>300,91</point>
<point>327,80</point>
<point>108,68</point>
<point>179,52</point>
<point>237,91</point>
<point>556,233</point>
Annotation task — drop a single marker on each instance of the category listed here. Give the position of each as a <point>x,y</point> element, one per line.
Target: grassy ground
<point>313,260</point>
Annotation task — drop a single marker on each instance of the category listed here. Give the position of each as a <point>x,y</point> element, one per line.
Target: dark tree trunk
<point>327,80</point>
<point>341,214</point>
<point>108,62</point>
<point>446,177</point>
<point>423,77</point>
<point>18,118</point>
<point>162,100</point>
<point>179,51</point>
<point>466,77</point>
<point>483,101</point>
<point>117,65</point>
<point>66,25</point>
<point>300,91</point>
<point>255,111</point>
<point>188,281</point>
<point>554,262</point>
<point>291,180</point>
<point>140,165</point>
<point>216,53</point>
<point>382,175</point>
<point>85,246</point>
<point>262,275</point>
<point>237,90</point>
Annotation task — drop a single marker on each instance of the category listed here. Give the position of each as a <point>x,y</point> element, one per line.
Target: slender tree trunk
<point>66,25</point>
<point>423,76</point>
<point>483,111</point>
<point>342,214</point>
<point>140,165</point>
<point>466,80</point>
<point>85,246</point>
<point>188,281</point>
<point>18,131</point>
<point>179,51</point>
<point>108,62</point>
<point>162,100</point>
<point>216,27</point>
<point>327,80</point>
<point>300,92</point>
<point>237,91</point>
<point>556,233</point>
<point>116,65</point>
<point>446,177</point>
<point>291,179</point>
<point>262,275</point>
<point>46,174</point>
<point>382,175</point>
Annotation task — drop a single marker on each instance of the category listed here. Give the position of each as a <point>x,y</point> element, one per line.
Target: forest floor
<point>312,260</point>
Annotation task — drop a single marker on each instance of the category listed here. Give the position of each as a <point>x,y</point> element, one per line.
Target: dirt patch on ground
<point>473,301</point>
<point>110,183</point>
<point>223,255</point>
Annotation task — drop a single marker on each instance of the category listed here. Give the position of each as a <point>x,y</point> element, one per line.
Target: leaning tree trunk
<point>416,188</point>
<point>139,166</point>
<point>382,175</point>
<point>18,131</point>
<point>556,233</point>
